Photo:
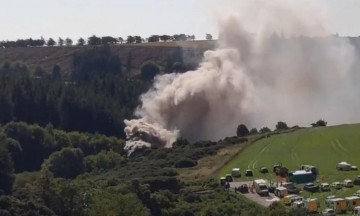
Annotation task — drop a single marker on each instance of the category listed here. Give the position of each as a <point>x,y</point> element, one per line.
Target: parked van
<point>261,187</point>
<point>281,192</point>
<point>236,172</point>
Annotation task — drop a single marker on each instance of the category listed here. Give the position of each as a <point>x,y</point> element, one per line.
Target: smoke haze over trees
<point>261,72</point>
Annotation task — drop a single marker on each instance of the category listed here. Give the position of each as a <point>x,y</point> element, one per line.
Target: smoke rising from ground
<point>275,61</point>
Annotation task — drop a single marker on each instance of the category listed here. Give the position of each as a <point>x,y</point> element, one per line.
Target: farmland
<point>323,147</point>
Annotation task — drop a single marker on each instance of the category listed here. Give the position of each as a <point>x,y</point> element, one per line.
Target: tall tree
<point>165,37</point>
<point>6,170</point>
<point>242,131</point>
<point>138,39</point>
<point>281,126</point>
<point>81,42</point>
<point>121,40</point>
<point>108,40</point>
<point>154,38</point>
<point>93,40</point>
<point>208,36</point>
<point>61,41</point>
<point>68,42</point>
<point>51,42</point>
<point>130,40</point>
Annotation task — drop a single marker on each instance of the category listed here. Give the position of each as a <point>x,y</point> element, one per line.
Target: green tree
<point>242,131</point>
<point>93,40</point>
<point>320,123</point>
<point>130,40</point>
<point>51,42</point>
<point>6,171</point>
<point>138,39</point>
<point>61,41</point>
<point>108,40</point>
<point>121,40</point>
<point>208,36</point>
<point>149,70</point>
<point>253,131</point>
<point>67,163</point>
<point>165,37</point>
<point>68,42</point>
<point>281,126</point>
<point>81,42</point>
<point>265,130</point>
<point>154,38</point>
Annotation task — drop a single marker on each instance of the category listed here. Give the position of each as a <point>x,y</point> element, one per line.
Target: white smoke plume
<point>276,61</point>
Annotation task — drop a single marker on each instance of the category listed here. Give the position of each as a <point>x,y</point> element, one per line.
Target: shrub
<point>184,163</point>
<point>67,163</point>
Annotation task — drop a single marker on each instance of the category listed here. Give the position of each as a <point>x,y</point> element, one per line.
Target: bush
<point>103,160</point>
<point>184,163</point>
<point>67,163</point>
<point>149,70</point>
<point>253,131</point>
<point>319,123</point>
<point>265,130</point>
<point>281,126</point>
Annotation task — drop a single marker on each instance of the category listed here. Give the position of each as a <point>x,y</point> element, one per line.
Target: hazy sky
<point>83,18</point>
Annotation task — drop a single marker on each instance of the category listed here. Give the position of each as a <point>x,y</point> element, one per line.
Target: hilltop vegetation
<point>101,91</point>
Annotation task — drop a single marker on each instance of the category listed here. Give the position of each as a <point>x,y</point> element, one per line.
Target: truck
<point>338,204</point>
<point>310,168</point>
<point>302,176</point>
<point>261,187</point>
<point>352,202</point>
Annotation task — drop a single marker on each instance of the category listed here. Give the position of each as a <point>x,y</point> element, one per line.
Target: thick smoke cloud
<point>275,61</point>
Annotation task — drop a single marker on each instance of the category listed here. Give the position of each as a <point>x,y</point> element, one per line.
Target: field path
<point>252,164</point>
<point>341,146</point>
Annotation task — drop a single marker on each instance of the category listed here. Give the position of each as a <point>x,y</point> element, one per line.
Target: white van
<point>236,172</point>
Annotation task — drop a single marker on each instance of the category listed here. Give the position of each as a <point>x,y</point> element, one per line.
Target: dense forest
<point>61,146</point>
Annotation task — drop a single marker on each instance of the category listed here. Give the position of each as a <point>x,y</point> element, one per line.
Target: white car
<point>348,183</point>
<point>357,193</point>
<point>329,212</point>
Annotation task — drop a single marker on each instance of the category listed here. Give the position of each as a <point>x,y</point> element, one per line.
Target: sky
<point>120,18</point>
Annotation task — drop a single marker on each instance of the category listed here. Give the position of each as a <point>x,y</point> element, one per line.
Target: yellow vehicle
<point>338,204</point>
<point>312,205</point>
<point>352,202</point>
<point>289,199</point>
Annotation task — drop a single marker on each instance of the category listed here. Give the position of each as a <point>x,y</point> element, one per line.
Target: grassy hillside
<point>47,57</point>
<point>323,147</point>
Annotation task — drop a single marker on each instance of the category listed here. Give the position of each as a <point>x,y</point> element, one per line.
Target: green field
<point>322,147</point>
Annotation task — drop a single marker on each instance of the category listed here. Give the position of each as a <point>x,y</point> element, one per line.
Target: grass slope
<point>323,147</point>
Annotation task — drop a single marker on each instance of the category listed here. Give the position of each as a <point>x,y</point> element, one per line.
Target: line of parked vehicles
<point>289,193</point>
